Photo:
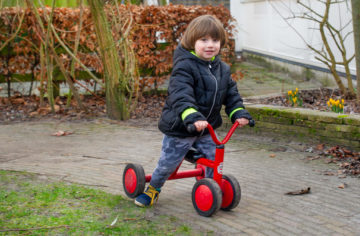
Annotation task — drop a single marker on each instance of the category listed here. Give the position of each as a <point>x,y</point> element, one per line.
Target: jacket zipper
<point>214,100</point>
<point>216,89</point>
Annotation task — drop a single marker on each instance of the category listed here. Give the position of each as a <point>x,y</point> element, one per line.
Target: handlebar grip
<point>191,128</point>
<point>251,123</point>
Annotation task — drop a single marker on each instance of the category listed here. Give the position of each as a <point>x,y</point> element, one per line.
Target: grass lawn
<point>30,205</point>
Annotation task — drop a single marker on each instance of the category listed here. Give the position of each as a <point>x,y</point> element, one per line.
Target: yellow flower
<point>342,101</point>
<point>337,102</point>
<point>290,93</point>
<point>294,99</point>
<point>329,104</point>
<point>296,89</point>
<point>341,106</point>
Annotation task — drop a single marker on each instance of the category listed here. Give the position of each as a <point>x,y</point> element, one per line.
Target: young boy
<point>200,84</point>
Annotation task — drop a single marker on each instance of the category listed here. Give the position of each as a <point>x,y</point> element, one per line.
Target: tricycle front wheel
<point>231,192</point>
<point>133,180</point>
<point>206,197</point>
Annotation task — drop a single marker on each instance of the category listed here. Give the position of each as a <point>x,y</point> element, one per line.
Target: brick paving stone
<point>97,152</point>
<point>339,230</point>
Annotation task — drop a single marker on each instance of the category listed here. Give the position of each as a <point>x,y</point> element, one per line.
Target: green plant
<point>336,105</point>
<point>293,98</point>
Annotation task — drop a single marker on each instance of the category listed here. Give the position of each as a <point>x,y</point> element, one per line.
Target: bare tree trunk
<point>332,67</point>
<point>115,96</point>
<point>49,62</point>
<point>76,47</point>
<point>329,33</point>
<point>42,74</point>
<point>356,25</point>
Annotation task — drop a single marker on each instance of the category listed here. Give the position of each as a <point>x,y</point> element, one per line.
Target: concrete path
<point>96,153</point>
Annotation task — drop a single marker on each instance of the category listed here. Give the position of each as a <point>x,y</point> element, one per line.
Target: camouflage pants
<point>173,152</point>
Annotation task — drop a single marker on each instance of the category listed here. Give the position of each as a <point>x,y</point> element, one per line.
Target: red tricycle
<point>208,194</point>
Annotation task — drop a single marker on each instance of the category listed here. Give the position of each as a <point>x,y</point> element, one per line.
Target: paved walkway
<point>97,152</point>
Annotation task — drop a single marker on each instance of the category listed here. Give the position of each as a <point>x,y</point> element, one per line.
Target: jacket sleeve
<point>181,94</point>
<point>233,102</point>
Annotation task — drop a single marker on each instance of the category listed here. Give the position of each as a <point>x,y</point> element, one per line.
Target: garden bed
<point>315,99</point>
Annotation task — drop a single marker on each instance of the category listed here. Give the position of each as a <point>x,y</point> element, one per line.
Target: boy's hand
<point>200,125</point>
<point>242,121</point>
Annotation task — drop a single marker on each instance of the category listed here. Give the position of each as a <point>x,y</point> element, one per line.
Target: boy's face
<point>207,47</point>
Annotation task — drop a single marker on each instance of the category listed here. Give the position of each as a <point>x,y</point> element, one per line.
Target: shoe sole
<point>139,204</point>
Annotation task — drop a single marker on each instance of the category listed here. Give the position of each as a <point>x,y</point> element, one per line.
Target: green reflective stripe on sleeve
<point>237,109</point>
<point>187,112</point>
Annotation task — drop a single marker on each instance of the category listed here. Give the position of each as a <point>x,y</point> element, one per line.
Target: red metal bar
<point>213,135</point>
<point>177,168</point>
<point>147,178</point>
<point>230,133</point>
<point>182,174</point>
<point>187,174</point>
<point>227,137</point>
<point>218,163</point>
<point>206,162</point>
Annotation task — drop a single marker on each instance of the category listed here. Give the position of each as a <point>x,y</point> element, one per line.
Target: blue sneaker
<point>148,197</point>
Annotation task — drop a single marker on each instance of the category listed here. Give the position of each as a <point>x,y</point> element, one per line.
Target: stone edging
<point>305,124</point>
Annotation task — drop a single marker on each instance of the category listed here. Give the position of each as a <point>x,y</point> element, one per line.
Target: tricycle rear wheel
<point>133,180</point>
<point>206,197</point>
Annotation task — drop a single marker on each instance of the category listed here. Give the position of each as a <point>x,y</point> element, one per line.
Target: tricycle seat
<point>193,155</point>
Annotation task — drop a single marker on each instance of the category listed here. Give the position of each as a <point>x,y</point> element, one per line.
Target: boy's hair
<point>203,26</point>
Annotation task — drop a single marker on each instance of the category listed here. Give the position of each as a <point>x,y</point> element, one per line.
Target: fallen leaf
<point>330,160</point>
<point>320,147</point>
<point>114,221</point>
<point>34,113</point>
<point>46,110</point>
<point>62,133</point>
<point>311,158</point>
<point>342,186</point>
<point>18,101</point>
<point>272,155</point>
<point>299,192</point>
<point>329,173</point>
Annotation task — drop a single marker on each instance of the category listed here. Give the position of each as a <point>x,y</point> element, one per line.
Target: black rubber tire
<point>212,189</point>
<point>133,180</point>
<point>236,193</point>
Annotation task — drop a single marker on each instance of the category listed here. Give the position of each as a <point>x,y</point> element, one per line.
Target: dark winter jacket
<point>202,87</point>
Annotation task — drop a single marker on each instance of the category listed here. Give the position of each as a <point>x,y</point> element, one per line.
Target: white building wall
<point>262,28</point>
<point>152,2</point>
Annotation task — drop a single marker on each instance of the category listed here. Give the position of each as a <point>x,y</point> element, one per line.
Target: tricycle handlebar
<point>192,129</point>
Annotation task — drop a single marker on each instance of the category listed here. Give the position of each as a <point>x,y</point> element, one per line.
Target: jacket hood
<point>182,54</point>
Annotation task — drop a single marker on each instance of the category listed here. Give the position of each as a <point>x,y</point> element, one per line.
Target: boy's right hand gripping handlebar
<point>192,130</point>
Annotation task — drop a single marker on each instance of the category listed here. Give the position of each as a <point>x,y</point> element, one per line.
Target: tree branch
<point>14,34</point>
